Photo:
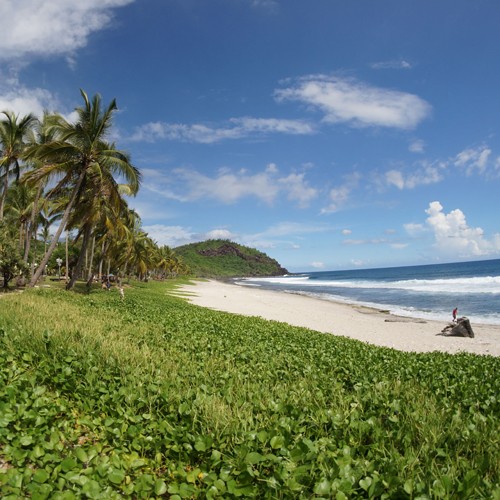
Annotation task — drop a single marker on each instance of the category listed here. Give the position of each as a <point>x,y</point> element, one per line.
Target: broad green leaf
<point>254,458</point>
<point>277,442</point>
<point>323,487</point>
<point>40,476</point>
<point>116,476</point>
<point>68,464</point>
<point>160,487</point>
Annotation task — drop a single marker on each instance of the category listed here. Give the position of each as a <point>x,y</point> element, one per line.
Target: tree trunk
<point>101,259</point>
<point>4,192</point>
<point>32,225</point>
<point>90,274</point>
<point>64,221</point>
<point>79,263</point>
<point>67,258</point>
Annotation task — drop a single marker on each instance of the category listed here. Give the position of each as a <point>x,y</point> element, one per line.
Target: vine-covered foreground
<point>154,397</point>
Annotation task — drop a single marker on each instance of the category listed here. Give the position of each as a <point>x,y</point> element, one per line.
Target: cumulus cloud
<point>346,100</point>
<point>453,236</point>
<point>55,27</point>
<point>238,128</point>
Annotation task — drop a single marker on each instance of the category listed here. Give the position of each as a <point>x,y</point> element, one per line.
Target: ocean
<point>426,291</point>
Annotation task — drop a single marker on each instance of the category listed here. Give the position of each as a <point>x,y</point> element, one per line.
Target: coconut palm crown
<point>81,160</point>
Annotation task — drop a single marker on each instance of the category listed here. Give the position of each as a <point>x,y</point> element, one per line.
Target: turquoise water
<point>430,291</point>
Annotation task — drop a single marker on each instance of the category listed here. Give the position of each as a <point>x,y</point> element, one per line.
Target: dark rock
<point>461,328</point>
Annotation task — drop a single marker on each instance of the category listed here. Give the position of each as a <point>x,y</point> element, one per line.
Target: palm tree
<point>43,133</point>
<point>19,203</point>
<point>99,208</point>
<point>13,133</point>
<point>81,158</point>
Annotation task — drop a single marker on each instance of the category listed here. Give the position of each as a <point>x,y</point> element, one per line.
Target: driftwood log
<point>461,328</point>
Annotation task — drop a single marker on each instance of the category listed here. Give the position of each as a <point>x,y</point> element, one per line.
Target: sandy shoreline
<point>362,323</point>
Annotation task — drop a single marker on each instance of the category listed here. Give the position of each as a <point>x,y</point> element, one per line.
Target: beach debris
<point>461,328</point>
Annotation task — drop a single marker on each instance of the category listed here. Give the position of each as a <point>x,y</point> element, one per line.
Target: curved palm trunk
<point>60,229</point>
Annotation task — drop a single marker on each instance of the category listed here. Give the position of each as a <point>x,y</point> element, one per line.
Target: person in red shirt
<point>455,311</point>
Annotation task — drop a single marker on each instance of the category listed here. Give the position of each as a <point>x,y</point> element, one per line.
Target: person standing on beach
<point>455,311</point>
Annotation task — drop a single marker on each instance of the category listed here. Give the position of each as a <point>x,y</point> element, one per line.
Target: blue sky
<point>328,134</point>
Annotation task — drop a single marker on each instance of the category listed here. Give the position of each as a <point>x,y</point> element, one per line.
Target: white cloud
<point>414,229</point>
<point>298,189</point>
<point>239,128</point>
<point>291,228</point>
<point>454,237</point>
<point>187,185</point>
<point>426,174</point>
<point>55,27</point>
<point>346,232</point>
<point>417,146</point>
<point>267,4</point>
<point>358,262</point>
<point>40,29</point>
<point>173,236</point>
<point>473,160</point>
<point>339,196</point>
<point>220,234</point>
<point>392,64</point>
<point>373,241</point>
<point>281,234</point>
<point>356,103</point>
<point>21,100</point>
<point>318,265</point>
<point>228,187</point>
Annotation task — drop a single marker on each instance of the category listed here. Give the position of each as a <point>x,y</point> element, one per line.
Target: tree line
<point>56,171</point>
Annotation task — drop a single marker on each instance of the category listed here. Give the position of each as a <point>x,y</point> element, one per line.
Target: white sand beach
<point>362,323</point>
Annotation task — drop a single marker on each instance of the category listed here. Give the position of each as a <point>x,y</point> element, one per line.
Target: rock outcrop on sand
<point>461,328</point>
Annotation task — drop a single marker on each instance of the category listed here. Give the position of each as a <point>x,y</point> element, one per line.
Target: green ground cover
<point>154,397</point>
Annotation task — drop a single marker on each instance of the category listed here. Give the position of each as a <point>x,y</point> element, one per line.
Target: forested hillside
<point>224,258</point>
